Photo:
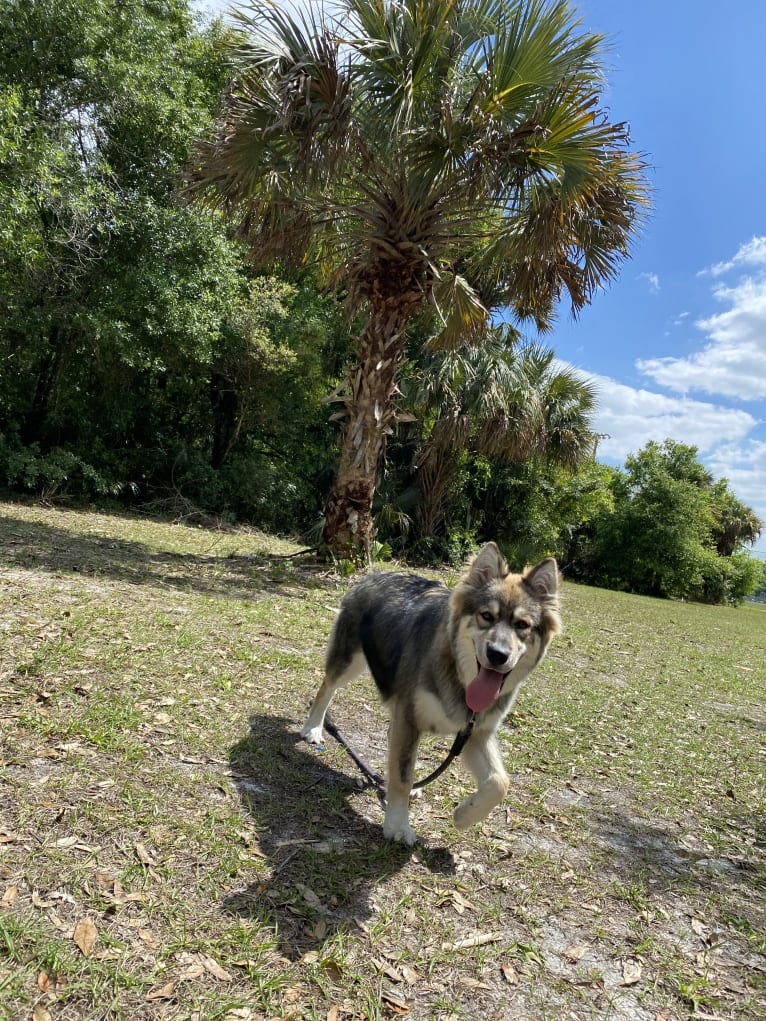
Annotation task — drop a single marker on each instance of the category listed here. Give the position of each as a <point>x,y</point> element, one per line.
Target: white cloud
<point>733,361</point>
<point>745,468</point>
<point>631,417</point>
<point>652,279</point>
<point>752,253</point>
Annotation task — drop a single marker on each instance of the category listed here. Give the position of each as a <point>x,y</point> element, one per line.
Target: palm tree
<point>450,152</point>
<point>735,525</point>
<point>506,400</point>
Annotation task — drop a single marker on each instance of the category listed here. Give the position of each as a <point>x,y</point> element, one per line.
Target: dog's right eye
<point>487,617</point>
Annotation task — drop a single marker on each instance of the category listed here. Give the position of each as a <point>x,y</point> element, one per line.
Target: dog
<point>437,656</point>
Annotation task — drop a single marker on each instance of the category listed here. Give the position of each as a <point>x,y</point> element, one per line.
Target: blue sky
<point>677,345</point>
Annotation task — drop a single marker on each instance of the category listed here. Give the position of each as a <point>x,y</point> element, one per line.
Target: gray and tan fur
<point>428,649</point>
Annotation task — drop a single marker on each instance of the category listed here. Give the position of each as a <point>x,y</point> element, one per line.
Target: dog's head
<point>502,624</point>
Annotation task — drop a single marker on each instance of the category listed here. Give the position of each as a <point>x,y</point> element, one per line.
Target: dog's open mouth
<point>483,689</point>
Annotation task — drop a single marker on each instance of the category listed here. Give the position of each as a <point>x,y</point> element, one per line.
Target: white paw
<point>313,735</point>
<point>402,834</point>
<point>396,825</point>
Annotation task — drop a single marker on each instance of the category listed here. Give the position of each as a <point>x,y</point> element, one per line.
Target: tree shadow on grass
<point>33,546</point>
<point>325,858</point>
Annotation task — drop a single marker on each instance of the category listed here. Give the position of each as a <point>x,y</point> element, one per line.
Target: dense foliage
<point>672,532</point>
<point>138,357</point>
<point>143,361</point>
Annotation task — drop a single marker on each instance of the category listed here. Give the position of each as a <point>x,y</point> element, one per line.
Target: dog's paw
<point>313,735</point>
<point>396,825</point>
<point>402,834</point>
<point>468,813</point>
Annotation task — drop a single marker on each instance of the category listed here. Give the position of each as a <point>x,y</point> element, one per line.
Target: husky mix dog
<point>437,656</point>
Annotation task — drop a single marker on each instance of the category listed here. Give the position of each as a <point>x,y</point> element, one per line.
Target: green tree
<point>425,151</point>
<point>104,279</point>
<point>662,538</point>
<point>735,525</point>
<point>540,508</point>
<point>506,402</point>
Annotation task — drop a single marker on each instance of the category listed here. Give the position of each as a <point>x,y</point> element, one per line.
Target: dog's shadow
<point>323,857</point>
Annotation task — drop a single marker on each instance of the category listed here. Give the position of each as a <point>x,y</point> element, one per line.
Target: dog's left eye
<point>487,617</point>
<point>522,625</point>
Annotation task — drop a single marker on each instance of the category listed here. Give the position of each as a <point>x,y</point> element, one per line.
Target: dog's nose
<point>496,655</point>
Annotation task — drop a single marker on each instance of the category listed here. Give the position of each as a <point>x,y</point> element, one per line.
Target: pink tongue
<point>483,689</point>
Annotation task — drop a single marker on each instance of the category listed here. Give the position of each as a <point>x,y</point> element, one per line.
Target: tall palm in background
<point>450,152</point>
<point>508,401</point>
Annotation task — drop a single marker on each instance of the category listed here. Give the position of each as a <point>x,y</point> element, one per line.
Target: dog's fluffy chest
<point>433,716</point>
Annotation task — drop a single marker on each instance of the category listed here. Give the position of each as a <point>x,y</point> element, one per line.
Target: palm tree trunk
<point>348,529</point>
<point>436,467</point>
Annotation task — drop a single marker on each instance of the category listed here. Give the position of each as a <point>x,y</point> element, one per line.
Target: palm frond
<point>458,150</point>
<point>464,317</point>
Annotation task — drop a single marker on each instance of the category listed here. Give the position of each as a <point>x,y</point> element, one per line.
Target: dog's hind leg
<point>403,738</point>
<point>482,756</point>
<point>339,671</point>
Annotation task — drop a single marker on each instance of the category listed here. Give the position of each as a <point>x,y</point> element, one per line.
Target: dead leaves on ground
<point>85,935</point>
<point>192,968</point>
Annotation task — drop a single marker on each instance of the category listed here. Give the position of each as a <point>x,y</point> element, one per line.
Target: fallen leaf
<point>333,969</point>
<point>631,973</point>
<point>147,936</point>
<point>65,841</point>
<point>333,1012</point>
<point>192,971</point>
<point>472,983</point>
<point>40,1013</point>
<point>575,953</point>
<point>409,974</point>
<point>461,904</point>
<point>396,1003</point>
<point>85,935</point>
<point>510,974</point>
<point>143,855</point>
<point>479,940</point>
<point>387,970</point>
<point>215,969</point>
<point>165,993</point>
<point>9,897</point>
<point>44,983</point>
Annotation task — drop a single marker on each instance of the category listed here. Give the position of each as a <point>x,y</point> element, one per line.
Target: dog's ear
<point>543,579</point>
<point>487,565</point>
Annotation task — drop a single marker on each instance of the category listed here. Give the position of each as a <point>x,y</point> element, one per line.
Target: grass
<point>152,681</point>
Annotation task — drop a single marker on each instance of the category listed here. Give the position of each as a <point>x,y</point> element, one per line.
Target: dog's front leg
<point>403,740</point>
<point>482,756</point>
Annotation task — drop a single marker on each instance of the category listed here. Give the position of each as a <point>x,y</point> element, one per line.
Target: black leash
<point>377,780</point>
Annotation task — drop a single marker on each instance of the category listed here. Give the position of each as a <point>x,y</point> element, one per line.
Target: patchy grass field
<point>169,849</point>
